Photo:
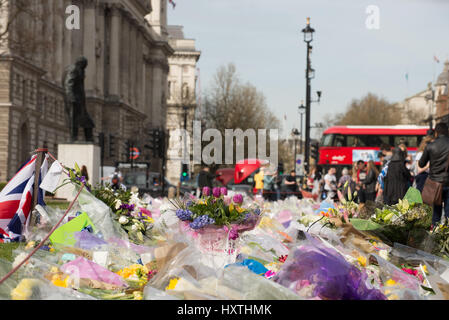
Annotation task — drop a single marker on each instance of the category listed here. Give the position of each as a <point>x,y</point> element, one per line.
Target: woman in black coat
<point>398,178</point>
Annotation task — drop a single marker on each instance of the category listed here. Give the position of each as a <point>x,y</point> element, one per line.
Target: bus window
<point>327,140</point>
<point>339,141</point>
<point>409,141</point>
<point>355,141</point>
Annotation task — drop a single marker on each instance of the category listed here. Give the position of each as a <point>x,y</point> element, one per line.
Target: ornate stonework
<point>181,97</point>
<point>124,87</point>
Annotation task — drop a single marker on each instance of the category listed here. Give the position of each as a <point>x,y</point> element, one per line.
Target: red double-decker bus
<point>344,145</point>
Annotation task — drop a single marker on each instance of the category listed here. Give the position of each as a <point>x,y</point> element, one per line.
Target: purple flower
<point>216,192</point>
<point>238,198</point>
<point>206,191</point>
<point>224,191</point>
<point>183,215</point>
<point>201,222</point>
<point>81,179</point>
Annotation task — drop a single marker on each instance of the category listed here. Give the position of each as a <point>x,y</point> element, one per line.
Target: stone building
<point>181,100</point>
<point>441,95</point>
<point>126,44</point>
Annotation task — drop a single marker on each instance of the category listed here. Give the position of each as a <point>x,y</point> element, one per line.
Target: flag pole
<point>37,172</point>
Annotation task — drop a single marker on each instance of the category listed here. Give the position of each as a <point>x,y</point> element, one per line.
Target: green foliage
<point>2,185</point>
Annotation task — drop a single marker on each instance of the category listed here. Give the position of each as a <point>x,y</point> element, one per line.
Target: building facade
<point>181,99</point>
<point>126,44</point>
<point>441,95</point>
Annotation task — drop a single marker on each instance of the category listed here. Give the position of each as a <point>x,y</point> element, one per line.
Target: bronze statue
<point>75,100</point>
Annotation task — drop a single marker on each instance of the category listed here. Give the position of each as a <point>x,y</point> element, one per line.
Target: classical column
<point>124,64</point>
<point>139,70</point>
<point>148,88</point>
<point>132,56</point>
<point>114,53</point>
<point>67,56</point>
<point>89,41</point>
<point>100,49</point>
<point>156,97</point>
<point>59,27</point>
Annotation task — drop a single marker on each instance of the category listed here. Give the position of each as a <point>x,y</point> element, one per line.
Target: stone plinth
<point>86,154</point>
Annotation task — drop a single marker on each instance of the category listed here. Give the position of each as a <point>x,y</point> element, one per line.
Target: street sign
<point>134,153</point>
<point>299,165</point>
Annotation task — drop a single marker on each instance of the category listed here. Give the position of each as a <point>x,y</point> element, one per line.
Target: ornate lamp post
<point>310,74</point>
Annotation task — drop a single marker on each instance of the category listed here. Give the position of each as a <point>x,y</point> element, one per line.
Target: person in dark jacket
<point>205,179</point>
<point>437,152</point>
<point>398,178</point>
<point>369,184</point>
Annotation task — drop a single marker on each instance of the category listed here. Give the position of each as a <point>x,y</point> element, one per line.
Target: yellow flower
<point>424,267</point>
<point>24,290</point>
<point>56,280</point>
<point>172,284</point>
<point>239,210</point>
<point>362,261</point>
<point>390,283</point>
<point>231,207</point>
<point>30,245</point>
<point>54,270</point>
<point>137,295</point>
<point>52,250</point>
<point>149,220</point>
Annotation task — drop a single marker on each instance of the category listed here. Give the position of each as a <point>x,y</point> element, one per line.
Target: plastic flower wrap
<point>324,273</point>
<point>217,210</point>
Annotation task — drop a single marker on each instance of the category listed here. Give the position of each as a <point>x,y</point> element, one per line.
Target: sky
<point>263,39</point>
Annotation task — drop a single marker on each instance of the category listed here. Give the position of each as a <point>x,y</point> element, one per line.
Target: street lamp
<point>295,134</point>
<point>308,37</point>
<point>302,110</point>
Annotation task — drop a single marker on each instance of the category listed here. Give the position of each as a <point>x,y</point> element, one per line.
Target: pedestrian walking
<point>346,184</point>
<point>292,184</point>
<point>361,177</point>
<point>258,180</point>
<point>397,179</point>
<point>330,185</point>
<point>268,186</point>
<point>421,174</point>
<point>370,182</point>
<point>437,154</point>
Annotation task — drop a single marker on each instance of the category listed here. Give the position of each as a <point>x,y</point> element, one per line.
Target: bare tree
<point>229,104</point>
<point>370,110</point>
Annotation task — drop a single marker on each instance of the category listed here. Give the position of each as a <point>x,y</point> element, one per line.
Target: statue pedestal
<point>86,154</point>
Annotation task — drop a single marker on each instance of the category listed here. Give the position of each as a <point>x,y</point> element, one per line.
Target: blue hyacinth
<point>201,222</point>
<point>183,214</point>
<point>257,211</point>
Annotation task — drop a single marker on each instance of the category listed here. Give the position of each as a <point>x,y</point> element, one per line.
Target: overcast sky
<point>264,40</point>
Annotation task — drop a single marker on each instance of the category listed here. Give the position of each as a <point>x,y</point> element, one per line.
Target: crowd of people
<point>398,171</point>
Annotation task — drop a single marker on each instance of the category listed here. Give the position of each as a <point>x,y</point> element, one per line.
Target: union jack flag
<point>16,200</point>
<point>172,3</point>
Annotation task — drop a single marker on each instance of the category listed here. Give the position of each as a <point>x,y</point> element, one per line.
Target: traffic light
<point>127,152</point>
<point>185,172</point>
<point>112,146</point>
<point>314,151</point>
<point>281,168</point>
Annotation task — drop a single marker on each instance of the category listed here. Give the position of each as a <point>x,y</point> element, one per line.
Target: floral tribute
<point>217,210</point>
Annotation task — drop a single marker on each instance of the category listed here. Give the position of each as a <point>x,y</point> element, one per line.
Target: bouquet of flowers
<point>215,222</point>
<point>402,219</point>
<point>130,212</point>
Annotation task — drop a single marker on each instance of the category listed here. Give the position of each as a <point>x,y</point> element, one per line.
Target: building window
<point>185,91</point>
<point>169,89</point>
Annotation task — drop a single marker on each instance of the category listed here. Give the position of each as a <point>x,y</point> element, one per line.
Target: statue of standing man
<point>75,100</point>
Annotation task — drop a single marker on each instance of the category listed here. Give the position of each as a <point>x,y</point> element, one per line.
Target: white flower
<point>123,220</point>
<point>118,203</point>
<point>134,227</point>
<point>383,254</point>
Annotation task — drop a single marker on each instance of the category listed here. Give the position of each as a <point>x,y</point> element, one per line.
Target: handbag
<point>432,193</point>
